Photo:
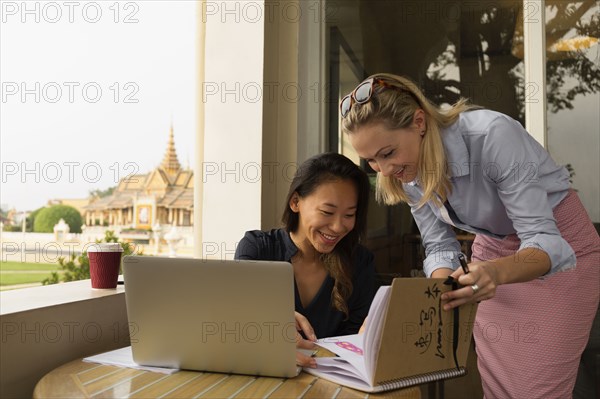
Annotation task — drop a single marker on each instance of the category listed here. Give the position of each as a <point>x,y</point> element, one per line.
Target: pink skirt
<point>530,336</point>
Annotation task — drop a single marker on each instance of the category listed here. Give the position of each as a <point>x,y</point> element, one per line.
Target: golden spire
<point>170,163</point>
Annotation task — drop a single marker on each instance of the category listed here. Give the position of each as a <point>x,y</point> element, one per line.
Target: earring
<point>422,132</point>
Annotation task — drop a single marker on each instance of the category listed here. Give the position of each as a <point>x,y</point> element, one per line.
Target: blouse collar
<point>290,248</point>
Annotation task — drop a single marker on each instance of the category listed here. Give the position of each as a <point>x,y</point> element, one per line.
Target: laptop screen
<point>222,316</point>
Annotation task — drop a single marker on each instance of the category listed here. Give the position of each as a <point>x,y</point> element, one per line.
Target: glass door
<point>451,50</point>
<point>573,94</point>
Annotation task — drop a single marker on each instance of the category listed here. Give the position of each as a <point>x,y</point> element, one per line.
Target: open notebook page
<point>373,329</point>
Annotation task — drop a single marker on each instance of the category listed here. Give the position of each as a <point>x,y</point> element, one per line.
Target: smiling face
<point>392,152</point>
<point>326,216</point>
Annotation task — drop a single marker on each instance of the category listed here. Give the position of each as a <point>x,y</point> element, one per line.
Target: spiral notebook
<point>409,340</point>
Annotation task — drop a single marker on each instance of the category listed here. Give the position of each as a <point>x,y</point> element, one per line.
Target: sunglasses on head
<point>361,94</point>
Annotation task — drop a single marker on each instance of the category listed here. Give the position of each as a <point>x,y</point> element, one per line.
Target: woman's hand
<point>479,284</point>
<point>303,325</point>
<point>485,276</point>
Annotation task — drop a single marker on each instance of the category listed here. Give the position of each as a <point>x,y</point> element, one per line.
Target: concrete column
<point>232,98</point>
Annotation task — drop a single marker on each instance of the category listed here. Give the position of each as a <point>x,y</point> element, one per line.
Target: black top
<point>324,318</point>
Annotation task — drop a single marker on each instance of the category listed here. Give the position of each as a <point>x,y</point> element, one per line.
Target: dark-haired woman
<point>324,221</point>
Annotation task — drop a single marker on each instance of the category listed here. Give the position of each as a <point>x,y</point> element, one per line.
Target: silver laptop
<point>212,315</point>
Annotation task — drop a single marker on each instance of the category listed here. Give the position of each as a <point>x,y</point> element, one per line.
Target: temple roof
<point>170,163</point>
<point>115,201</point>
<point>178,198</point>
<point>172,186</point>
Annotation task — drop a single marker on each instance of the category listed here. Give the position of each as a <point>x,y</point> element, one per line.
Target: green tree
<point>46,219</point>
<point>12,228</point>
<point>31,220</point>
<point>77,267</point>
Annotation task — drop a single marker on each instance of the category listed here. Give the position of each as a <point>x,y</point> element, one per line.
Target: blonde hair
<point>395,107</point>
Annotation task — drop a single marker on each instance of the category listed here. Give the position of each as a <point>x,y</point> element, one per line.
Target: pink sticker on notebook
<point>349,346</point>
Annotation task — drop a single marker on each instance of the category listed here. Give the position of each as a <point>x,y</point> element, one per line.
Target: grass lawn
<point>14,273</point>
<point>22,278</point>
<point>19,266</point>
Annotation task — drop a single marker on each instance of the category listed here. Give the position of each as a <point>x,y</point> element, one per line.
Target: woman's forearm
<point>525,265</point>
<point>441,273</point>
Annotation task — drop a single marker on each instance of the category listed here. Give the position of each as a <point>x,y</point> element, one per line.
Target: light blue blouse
<point>503,182</point>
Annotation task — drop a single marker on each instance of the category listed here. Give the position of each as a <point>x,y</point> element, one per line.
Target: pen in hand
<point>465,267</point>
<point>463,263</point>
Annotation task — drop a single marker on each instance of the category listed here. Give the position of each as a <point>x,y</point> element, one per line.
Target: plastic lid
<point>105,247</point>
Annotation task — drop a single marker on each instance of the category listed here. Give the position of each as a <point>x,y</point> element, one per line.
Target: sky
<point>88,93</point>
<point>89,90</point>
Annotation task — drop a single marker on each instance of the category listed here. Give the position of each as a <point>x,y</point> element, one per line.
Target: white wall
<point>46,327</point>
<point>233,104</point>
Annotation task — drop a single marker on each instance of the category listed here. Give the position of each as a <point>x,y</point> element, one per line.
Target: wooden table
<point>79,379</point>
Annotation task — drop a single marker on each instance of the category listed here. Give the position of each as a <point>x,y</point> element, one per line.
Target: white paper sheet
<point>124,358</point>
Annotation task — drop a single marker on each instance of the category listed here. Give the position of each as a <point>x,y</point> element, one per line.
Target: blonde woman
<point>536,255</point>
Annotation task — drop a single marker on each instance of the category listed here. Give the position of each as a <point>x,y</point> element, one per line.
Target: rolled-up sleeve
<point>438,238</point>
<point>512,160</point>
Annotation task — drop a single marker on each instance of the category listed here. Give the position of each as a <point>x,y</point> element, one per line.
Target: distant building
<point>5,220</point>
<point>14,217</point>
<point>163,196</point>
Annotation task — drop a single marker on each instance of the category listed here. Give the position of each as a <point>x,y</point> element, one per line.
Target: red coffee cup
<point>105,261</point>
